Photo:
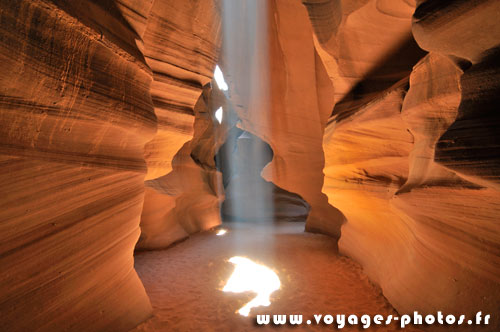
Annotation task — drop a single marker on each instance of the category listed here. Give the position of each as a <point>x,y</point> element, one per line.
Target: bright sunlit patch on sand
<point>249,276</point>
<point>221,232</point>
<point>219,78</point>
<point>218,114</point>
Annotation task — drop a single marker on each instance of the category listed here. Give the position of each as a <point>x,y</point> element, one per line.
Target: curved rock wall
<point>468,31</point>
<point>181,45</point>
<point>187,199</point>
<point>414,167</point>
<point>365,45</point>
<point>76,113</point>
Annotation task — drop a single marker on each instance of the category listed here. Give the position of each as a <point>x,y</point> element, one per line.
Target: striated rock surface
<point>415,170</point>
<point>187,199</point>
<point>181,45</point>
<point>181,49</point>
<point>463,28</point>
<point>181,203</point>
<point>425,234</point>
<point>468,31</point>
<point>471,145</point>
<point>365,45</point>
<point>76,113</point>
<point>429,108</point>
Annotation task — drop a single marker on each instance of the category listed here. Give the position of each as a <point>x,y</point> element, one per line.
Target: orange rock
<point>75,116</point>
<point>416,173</point>
<point>182,56</point>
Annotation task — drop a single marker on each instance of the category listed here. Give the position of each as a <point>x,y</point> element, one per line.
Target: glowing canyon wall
<point>76,114</point>
<point>181,46</point>
<point>414,166</point>
<point>380,114</point>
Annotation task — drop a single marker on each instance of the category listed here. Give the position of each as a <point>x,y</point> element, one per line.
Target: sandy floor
<point>184,282</point>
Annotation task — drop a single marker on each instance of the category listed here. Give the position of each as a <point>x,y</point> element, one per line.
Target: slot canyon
<point>193,165</point>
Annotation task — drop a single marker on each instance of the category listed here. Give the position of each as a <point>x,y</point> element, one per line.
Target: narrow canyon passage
<point>185,282</point>
<point>350,149</point>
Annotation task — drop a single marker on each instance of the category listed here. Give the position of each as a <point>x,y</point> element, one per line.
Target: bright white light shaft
<point>249,276</point>
<point>218,114</point>
<point>219,78</point>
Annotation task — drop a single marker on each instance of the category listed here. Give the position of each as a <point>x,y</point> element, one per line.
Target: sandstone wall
<point>414,167</point>
<point>187,199</point>
<point>181,45</point>
<point>76,113</point>
<point>365,45</point>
